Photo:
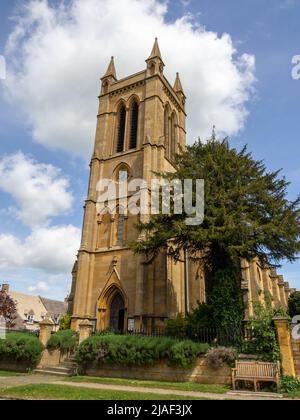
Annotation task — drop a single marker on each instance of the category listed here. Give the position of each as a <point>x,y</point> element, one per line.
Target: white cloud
<point>40,287</point>
<point>51,249</point>
<point>39,190</point>
<point>56,56</point>
<point>40,193</point>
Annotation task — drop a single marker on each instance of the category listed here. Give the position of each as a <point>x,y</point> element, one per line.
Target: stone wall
<point>52,358</point>
<point>201,373</point>
<point>296,352</point>
<point>14,366</point>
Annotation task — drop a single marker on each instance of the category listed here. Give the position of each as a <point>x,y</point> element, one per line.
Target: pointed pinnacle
<point>155,53</point>
<point>111,70</point>
<point>178,86</point>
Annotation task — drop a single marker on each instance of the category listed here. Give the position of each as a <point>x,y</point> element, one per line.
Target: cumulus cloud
<point>40,191</point>
<point>51,249</point>
<point>40,287</point>
<point>56,55</point>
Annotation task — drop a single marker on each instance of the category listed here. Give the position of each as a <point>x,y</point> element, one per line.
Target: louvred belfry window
<point>134,126</point>
<point>121,129</point>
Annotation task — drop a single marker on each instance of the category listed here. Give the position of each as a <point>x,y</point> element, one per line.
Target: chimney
<point>5,288</point>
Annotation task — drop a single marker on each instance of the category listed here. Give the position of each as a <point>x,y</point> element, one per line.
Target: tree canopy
<point>294,304</point>
<point>247,211</point>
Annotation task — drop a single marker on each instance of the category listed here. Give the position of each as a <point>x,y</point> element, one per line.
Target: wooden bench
<point>256,372</point>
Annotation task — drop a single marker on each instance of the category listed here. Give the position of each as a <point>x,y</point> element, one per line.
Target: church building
<point>141,125</point>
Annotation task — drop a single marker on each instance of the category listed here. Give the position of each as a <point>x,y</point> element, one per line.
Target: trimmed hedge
<point>21,347</point>
<point>65,340</point>
<point>138,351</point>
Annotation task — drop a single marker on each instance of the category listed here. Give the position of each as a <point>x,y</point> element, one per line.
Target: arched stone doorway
<point>112,309</point>
<point>117,313</point>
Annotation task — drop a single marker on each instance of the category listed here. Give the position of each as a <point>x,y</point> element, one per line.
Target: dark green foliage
<point>21,347</point>
<point>288,384</point>
<point>226,300</point>
<point>294,304</point>
<point>137,351</point>
<point>65,340</point>
<point>177,327</point>
<point>247,212</point>
<point>200,317</point>
<point>264,342</point>
<point>225,308</point>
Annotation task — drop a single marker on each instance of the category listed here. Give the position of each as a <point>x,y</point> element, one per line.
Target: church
<point>141,124</point>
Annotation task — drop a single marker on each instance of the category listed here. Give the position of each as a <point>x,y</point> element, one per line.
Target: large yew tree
<point>247,211</point>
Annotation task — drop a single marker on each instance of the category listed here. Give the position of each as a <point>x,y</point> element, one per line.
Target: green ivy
<point>264,342</point>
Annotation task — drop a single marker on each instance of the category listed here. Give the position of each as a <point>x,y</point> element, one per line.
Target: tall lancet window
<point>167,131</point>
<point>173,135</point>
<point>121,129</point>
<point>134,121</point>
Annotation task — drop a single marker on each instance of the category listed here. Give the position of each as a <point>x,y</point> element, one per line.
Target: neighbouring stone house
<point>31,310</point>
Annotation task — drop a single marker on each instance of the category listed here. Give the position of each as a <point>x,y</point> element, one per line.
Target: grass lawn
<point>186,386</point>
<point>62,392</point>
<point>4,374</point>
<point>295,395</point>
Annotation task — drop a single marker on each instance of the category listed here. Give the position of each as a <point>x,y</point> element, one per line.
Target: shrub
<point>65,340</point>
<point>264,341</point>
<point>221,356</point>
<point>137,351</point>
<point>21,347</point>
<point>294,304</point>
<point>65,323</point>
<point>288,384</point>
<point>177,327</point>
<point>185,353</point>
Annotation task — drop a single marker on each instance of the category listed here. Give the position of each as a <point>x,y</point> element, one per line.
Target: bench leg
<point>255,386</point>
<point>233,385</point>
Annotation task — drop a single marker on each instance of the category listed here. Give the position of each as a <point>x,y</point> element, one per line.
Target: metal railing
<point>230,336</point>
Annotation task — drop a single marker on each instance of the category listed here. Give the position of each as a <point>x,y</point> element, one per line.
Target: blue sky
<point>265,29</point>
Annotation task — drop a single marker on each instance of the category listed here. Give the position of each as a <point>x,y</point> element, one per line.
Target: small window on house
<point>121,130</point>
<point>134,118</point>
<point>30,319</point>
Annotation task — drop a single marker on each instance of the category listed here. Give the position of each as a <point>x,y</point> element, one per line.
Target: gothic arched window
<point>167,131</point>
<point>120,228</point>
<point>134,120</point>
<point>173,135</point>
<point>121,129</point>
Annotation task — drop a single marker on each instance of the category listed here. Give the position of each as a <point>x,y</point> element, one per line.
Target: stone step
<point>59,370</point>
<point>51,373</point>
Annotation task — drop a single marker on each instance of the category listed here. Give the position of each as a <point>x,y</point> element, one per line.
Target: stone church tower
<point>141,124</point>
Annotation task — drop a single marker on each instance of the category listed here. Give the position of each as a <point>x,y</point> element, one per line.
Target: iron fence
<point>230,336</point>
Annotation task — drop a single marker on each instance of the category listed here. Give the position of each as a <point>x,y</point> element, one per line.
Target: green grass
<point>4,374</point>
<point>62,392</point>
<point>295,395</point>
<point>186,386</point>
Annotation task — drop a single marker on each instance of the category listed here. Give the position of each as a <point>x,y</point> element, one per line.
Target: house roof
<point>27,304</point>
<point>53,307</point>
